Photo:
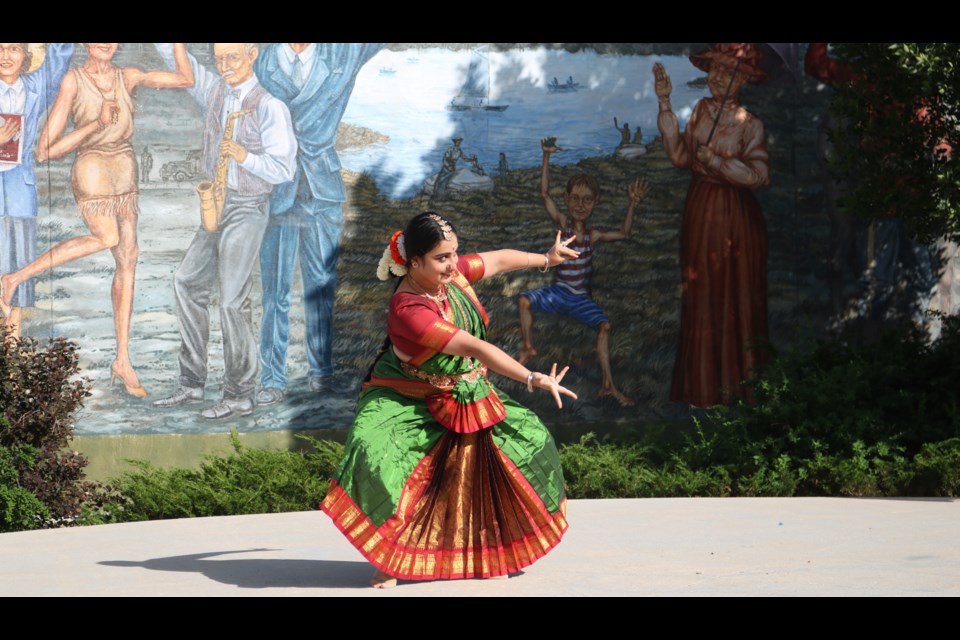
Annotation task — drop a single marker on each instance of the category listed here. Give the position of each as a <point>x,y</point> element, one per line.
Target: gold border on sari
<point>429,554</point>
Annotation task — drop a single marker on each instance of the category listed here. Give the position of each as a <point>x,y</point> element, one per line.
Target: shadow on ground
<point>260,573</point>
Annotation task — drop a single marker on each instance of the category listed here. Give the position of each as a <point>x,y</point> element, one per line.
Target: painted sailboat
<point>475,93</point>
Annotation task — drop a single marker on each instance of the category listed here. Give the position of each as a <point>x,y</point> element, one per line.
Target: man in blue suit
<point>26,90</point>
<point>315,81</point>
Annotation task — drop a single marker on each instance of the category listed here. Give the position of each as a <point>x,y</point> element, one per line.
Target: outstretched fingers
<point>562,250</point>
<point>556,389</point>
<point>562,373</point>
<point>566,392</point>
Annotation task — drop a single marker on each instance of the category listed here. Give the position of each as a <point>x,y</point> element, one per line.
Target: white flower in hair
<point>397,269</point>
<point>388,265</point>
<point>383,268</point>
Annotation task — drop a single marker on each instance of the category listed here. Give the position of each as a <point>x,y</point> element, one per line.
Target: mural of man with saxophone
<point>243,156</point>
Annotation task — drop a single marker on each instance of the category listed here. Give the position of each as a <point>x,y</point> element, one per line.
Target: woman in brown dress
<point>98,96</point>
<point>723,235</point>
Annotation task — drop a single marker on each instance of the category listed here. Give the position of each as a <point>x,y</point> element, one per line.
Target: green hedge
<point>835,419</point>
<point>244,482</point>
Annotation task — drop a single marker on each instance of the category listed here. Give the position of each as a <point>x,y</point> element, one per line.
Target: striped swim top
<point>575,275</point>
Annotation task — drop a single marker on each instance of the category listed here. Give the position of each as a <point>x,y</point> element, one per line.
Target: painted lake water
<point>405,95</point>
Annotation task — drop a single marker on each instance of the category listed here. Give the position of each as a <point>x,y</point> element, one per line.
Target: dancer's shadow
<point>262,573</point>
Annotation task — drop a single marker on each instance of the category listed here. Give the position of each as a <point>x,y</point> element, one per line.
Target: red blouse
<point>414,323</point>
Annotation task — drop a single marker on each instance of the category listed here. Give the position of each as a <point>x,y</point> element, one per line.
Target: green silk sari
<point>443,418</point>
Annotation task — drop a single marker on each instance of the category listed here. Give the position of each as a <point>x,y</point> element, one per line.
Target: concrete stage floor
<point>654,547</point>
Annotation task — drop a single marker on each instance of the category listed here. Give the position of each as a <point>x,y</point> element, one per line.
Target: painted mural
<point>175,245</point>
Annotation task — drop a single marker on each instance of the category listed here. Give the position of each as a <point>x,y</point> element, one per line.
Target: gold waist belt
<point>442,380</point>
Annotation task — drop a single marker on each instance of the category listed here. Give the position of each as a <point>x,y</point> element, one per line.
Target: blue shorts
<point>556,299</point>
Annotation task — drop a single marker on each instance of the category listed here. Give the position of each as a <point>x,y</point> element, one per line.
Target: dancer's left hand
<point>560,252</point>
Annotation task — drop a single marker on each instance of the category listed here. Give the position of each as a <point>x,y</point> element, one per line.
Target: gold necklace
<point>439,298</point>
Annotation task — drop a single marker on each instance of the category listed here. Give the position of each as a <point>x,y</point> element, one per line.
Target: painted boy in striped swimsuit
<point>571,292</point>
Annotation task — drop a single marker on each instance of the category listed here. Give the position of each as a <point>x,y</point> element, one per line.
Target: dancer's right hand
<point>552,384</point>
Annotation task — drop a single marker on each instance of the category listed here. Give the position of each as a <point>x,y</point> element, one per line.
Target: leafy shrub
<point>20,510</point>
<point>244,482</point>
<point>895,118</point>
<point>593,469</point>
<point>42,481</point>
<point>839,418</point>
<point>842,418</point>
<point>937,469</point>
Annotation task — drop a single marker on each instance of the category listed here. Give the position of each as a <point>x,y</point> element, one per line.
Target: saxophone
<point>212,194</point>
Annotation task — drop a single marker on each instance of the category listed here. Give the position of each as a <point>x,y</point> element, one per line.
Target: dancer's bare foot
<point>381,580</point>
<point>613,392</point>
<point>525,354</point>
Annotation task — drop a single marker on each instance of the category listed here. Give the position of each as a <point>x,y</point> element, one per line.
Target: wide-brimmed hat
<point>727,54</point>
<point>39,51</point>
<point>457,139</point>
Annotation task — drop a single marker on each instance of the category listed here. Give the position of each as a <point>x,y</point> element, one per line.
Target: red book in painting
<point>11,150</point>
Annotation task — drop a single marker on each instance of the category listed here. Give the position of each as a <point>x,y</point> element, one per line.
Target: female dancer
<point>444,476</point>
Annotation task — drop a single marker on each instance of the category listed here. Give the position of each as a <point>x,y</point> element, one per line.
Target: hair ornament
<point>394,258</point>
<point>444,226</point>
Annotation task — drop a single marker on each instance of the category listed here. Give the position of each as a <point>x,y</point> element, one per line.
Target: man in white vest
<point>262,153</point>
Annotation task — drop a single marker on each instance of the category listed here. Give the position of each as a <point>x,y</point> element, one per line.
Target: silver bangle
<point>530,383</point>
<point>546,263</point>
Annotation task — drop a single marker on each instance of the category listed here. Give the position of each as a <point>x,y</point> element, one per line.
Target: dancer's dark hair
<point>424,232</point>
